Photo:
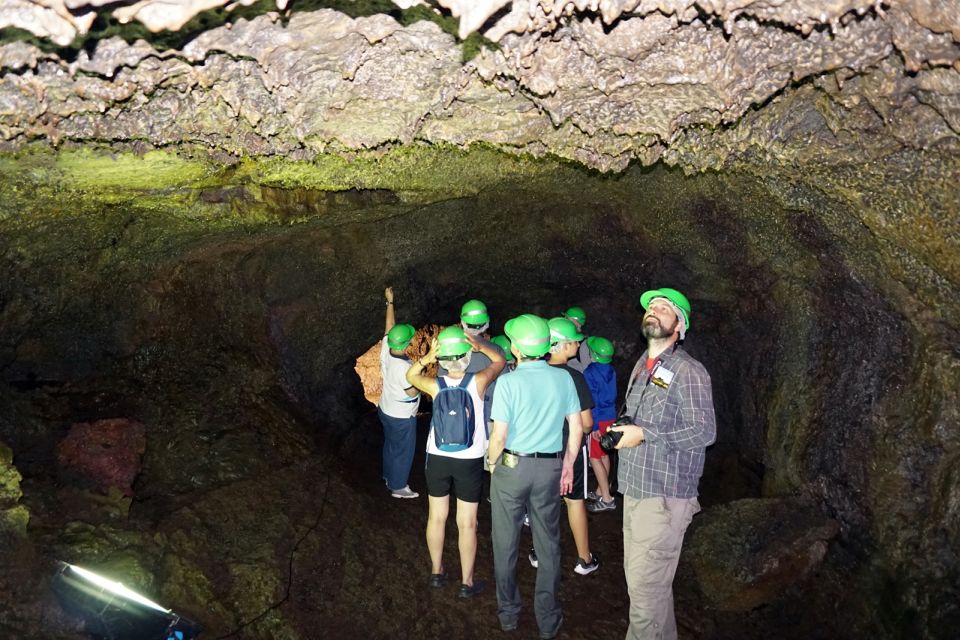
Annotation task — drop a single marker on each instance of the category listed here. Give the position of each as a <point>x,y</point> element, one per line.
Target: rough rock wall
<point>603,92</point>
<point>857,98</point>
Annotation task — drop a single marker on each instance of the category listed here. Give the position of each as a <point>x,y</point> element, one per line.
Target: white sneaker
<point>586,568</point>
<point>404,493</point>
<point>526,519</point>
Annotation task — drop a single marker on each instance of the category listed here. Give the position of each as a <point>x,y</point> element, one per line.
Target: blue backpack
<point>453,419</point>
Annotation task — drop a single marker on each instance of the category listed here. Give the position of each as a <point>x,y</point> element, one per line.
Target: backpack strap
<point>441,383</point>
<point>465,381</point>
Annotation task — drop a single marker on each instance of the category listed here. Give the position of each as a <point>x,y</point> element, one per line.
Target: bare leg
<point>436,524</point>
<point>467,526</point>
<point>601,470</point>
<point>577,517</point>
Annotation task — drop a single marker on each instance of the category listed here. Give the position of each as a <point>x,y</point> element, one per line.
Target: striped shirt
<point>673,403</point>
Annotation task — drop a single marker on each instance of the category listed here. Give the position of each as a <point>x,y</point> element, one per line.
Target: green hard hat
<point>673,296</point>
<point>474,312</point>
<point>504,343</point>
<point>576,313</point>
<point>400,336</point>
<point>530,334</point>
<point>601,349</point>
<point>452,343</point>
<point>563,330</point>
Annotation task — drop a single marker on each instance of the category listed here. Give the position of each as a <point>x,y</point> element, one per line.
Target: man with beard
<point>661,460</point>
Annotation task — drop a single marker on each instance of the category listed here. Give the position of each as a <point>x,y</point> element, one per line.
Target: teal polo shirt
<point>533,400</point>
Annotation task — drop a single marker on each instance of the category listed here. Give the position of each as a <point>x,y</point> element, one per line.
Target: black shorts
<point>579,489</point>
<point>461,477</point>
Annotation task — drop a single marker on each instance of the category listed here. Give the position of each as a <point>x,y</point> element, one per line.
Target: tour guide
<point>530,469</point>
<point>661,461</point>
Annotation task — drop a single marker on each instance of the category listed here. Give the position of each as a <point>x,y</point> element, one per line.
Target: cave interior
<point>203,309</point>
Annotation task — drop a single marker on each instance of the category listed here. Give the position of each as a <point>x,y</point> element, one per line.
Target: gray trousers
<point>653,530</point>
<point>532,486</point>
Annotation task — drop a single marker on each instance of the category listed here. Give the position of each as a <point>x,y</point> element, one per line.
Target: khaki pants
<point>653,530</point>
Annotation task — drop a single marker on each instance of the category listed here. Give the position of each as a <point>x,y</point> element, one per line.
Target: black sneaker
<point>468,591</point>
<point>601,505</point>
<point>586,568</point>
<point>437,580</point>
<point>533,559</point>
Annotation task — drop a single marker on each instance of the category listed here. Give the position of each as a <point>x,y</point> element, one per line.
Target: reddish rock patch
<point>105,453</point>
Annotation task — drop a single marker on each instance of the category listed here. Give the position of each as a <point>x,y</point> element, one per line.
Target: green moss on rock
<point>10,492</point>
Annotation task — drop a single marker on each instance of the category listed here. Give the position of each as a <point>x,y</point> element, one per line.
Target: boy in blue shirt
<point>602,380</point>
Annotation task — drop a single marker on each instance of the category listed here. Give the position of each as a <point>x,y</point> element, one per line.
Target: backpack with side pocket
<point>453,416</point>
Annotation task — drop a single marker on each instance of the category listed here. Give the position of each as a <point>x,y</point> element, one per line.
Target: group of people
<point>538,400</point>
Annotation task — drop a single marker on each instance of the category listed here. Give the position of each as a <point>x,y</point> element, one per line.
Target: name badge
<point>662,377</point>
<point>510,461</point>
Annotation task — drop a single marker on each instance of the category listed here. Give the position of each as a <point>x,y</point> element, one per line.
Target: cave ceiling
<point>601,82</point>
<point>859,100</point>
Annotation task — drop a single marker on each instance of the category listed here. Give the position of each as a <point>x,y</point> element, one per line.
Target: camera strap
<point>638,370</point>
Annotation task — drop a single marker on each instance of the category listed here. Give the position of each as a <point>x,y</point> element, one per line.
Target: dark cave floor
<point>594,606</point>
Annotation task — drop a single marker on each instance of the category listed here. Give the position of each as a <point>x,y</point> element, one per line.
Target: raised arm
<point>391,319</point>
<point>415,376</point>
<point>497,362</point>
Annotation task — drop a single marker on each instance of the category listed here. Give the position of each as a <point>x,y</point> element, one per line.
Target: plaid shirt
<point>678,423</point>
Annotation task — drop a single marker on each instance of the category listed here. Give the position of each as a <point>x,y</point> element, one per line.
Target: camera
<point>609,440</point>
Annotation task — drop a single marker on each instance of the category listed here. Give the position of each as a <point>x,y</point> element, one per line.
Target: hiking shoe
<point>404,493</point>
<point>468,591</point>
<point>437,580</point>
<point>602,505</point>
<point>533,559</point>
<point>586,568</point>
<point>593,496</point>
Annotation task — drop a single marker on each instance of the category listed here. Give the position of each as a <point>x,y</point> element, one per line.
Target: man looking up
<point>398,404</point>
<point>531,467</point>
<point>661,461</point>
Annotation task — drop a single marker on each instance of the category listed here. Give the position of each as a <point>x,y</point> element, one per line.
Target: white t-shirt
<point>393,400</point>
<point>479,446</point>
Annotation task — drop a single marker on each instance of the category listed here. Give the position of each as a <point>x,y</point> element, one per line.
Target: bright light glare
<point>117,588</point>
